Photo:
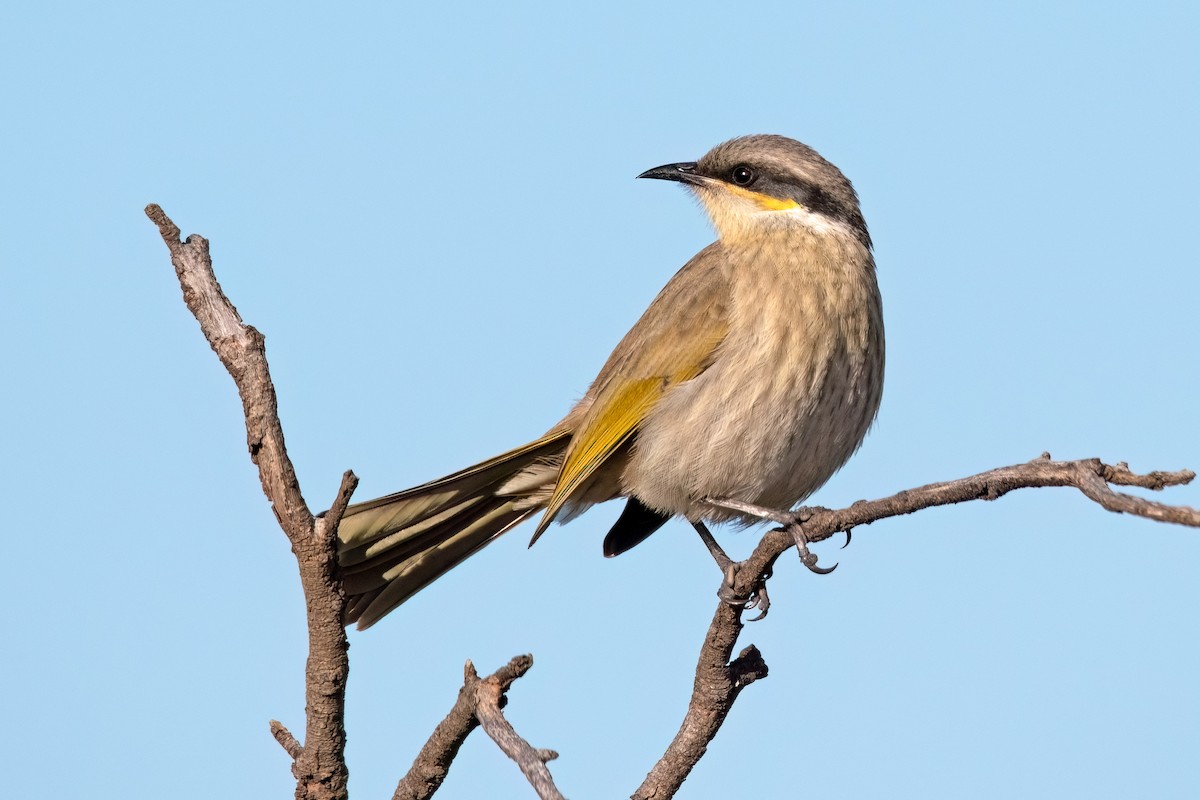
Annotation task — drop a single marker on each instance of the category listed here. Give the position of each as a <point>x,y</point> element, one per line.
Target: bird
<point>751,378</point>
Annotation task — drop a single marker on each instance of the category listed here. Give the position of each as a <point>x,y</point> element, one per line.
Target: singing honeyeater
<point>753,376</point>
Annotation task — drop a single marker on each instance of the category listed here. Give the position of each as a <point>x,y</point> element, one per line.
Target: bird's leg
<point>724,562</point>
<point>758,596</point>
<point>792,522</point>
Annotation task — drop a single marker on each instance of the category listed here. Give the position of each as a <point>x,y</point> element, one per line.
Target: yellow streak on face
<point>763,201</point>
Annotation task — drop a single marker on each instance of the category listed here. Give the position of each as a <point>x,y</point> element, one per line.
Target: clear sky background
<point>431,214</point>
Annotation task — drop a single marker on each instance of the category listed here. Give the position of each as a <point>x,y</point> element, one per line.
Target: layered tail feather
<point>392,547</point>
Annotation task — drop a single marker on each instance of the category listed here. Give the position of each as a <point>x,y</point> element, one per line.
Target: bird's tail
<point>392,547</point>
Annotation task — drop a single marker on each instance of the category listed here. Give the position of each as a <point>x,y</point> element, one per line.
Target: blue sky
<point>431,214</point>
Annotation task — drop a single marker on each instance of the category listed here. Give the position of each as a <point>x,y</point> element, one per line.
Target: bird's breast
<point>791,392</point>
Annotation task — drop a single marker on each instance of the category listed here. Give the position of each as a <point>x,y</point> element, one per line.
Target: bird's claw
<point>758,599</point>
<point>807,557</point>
<point>820,570</point>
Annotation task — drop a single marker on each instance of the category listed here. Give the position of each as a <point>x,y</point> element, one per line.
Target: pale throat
<point>739,219</point>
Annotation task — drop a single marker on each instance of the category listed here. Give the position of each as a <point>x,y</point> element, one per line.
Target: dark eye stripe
<point>818,201</point>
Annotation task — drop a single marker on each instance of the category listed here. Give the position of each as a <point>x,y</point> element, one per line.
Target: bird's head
<point>756,183</point>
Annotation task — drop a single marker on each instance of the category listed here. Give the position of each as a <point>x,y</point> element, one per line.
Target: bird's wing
<point>674,341</point>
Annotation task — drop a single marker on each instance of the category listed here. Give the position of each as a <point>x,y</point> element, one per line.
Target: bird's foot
<point>757,600</point>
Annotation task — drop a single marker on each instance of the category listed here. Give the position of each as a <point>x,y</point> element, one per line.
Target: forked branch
<point>480,702</point>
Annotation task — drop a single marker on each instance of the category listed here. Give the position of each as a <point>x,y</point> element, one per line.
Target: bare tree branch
<point>479,702</point>
<point>241,349</point>
<point>432,764</point>
<point>320,766</point>
<point>1090,476</point>
<point>718,683</point>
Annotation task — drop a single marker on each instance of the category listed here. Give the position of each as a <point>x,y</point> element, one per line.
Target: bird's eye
<point>743,175</point>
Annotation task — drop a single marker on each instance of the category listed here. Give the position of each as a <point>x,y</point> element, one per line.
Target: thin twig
<point>432,764</point>
<point>1090,476</point>
<point>241,349</point>
<point>479,700</point>
<point>285,739</point>
<point>489,694</point>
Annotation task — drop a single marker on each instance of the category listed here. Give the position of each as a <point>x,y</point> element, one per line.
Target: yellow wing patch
<point>615,417</point>
<point>599,437</point>
<point>676,340</point>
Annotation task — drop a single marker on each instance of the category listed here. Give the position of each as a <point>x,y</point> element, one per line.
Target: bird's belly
<point>768,423</point>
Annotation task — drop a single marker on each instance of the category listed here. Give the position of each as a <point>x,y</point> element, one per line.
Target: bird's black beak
<point>684,172</point>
